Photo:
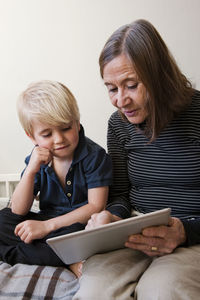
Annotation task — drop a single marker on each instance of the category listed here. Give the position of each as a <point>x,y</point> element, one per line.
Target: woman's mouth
<point>130,113</point>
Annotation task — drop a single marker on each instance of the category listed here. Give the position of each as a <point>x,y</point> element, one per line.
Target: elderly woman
<point>154,142</point>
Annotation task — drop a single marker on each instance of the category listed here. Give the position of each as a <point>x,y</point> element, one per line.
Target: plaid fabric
<point>23,282</point>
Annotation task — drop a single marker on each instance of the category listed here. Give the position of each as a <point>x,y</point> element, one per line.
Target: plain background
<point>62,39</point>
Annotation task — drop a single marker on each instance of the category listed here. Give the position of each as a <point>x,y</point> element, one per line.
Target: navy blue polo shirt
<point>91,167</point>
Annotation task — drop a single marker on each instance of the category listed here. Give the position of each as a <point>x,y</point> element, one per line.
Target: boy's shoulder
<point>89,144</point>
<point>88,149</point>
<point>93,146</point>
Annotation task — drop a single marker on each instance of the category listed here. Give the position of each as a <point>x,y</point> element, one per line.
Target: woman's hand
<point>159,240</point>
<point>102,218</point>
<point>31,230</point>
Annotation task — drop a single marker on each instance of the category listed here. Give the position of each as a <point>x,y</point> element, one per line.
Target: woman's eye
<point>112,90</point>
<point>133,86</point>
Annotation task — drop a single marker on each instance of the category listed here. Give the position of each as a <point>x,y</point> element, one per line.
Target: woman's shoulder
<point>115,116</point>
<point>188,121</point>
<point>196,93</point>
<point>119,129</point>
<point>116,120</point>
<point>194,107</point>
<point>196,97</point>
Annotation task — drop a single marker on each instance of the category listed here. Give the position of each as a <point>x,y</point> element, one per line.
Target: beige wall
<point>62,39</point>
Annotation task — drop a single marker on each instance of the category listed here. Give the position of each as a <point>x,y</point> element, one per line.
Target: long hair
<point>168,90</point>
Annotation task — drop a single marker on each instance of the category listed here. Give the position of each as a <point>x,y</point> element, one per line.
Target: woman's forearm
<point>192,229</point>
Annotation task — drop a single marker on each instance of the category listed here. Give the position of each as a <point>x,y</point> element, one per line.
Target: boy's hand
<point>39,156</point>
<point>102,218</point>
<point>31,230</point>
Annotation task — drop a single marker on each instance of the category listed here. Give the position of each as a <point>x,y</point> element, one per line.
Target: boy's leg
<point>13,250</point>
<point>31,254</point>
<point>172,277</point>
<point>112,276</point>
<point>8,222</point>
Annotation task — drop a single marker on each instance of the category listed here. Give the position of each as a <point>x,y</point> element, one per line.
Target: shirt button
<point>68,182</point>
<point>69,194</point>
<point>70,169</point>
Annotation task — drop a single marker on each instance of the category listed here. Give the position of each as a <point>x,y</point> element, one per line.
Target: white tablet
<point>80,245</point>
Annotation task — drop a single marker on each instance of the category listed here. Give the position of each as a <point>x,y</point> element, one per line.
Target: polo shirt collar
<point>81,150</point>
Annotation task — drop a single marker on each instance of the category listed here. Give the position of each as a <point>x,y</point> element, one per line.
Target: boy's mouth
<point>61,148</point>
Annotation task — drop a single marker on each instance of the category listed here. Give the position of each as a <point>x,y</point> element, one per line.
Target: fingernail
<point>131,239</point>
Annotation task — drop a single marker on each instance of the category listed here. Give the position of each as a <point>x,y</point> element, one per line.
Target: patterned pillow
<point>36,282</point>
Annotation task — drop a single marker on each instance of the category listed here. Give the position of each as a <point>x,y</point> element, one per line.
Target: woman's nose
<point>121,98</point>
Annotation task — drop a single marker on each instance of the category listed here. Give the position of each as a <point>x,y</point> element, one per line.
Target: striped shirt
<point>164,173</point>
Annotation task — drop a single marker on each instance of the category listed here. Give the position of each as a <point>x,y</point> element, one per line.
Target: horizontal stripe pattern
<point>164,173</point>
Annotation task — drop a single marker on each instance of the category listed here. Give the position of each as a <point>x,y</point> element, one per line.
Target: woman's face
<point>125,90</point>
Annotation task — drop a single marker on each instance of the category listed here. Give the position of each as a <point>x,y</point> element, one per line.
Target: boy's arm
<point>23,196</point>
<point>30,230</point>
<point>97,198</point>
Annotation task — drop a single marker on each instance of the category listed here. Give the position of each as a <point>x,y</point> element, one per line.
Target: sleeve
<point>192,229</point>
<point>98,168</point>
<point>37,179</point>
<point>118,203</point>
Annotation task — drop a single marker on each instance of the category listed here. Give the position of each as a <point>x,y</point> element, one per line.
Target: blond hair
<point>49,102</point>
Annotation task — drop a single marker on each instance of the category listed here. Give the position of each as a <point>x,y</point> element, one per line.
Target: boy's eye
<point>46,135</point>
<point>66,128</point>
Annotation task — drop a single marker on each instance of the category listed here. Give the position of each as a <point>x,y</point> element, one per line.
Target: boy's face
<point>60,141</point>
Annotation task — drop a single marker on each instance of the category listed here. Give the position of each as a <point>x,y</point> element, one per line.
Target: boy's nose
<point>58,137</point>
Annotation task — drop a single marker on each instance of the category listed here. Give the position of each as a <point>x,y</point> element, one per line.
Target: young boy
<point>70,172</point>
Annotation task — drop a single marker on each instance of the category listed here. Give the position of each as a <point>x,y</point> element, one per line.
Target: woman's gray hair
<point>169,91</point>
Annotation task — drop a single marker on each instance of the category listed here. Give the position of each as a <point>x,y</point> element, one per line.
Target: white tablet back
<point>77,246</point>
